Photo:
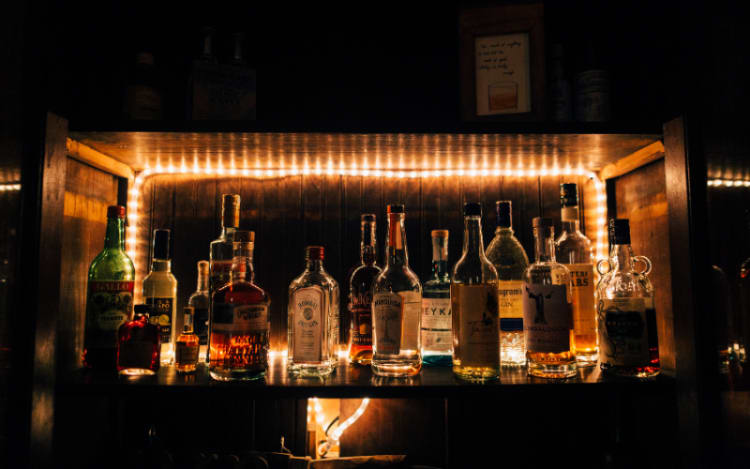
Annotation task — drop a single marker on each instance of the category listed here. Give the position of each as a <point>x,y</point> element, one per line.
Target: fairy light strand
<point>728,183</point>
<point>333,438</point>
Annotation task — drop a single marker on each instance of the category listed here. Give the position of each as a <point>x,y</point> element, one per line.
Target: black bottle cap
<point>619,231</point>
<point>472,209</point>
<point>542,222</point>
<point>503,209</point>
<point>142,310</point>
<point>396,208</point>
<point>368,217</point>
<point>568,194</point>
<point>161,244</point>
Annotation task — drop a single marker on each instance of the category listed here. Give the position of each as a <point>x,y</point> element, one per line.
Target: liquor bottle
<point>187,345</point>
<point>200,301</point>
<point>222,250</point>
<point>138,344</point>
<point>510,260</point>
<point>360,295</point>
<point>573,249</point>
<point>143,95</point>
<point>311,317</point>
<point>110,295</point>
<point>437,324</point>
<point>562,106</point>
<point>396,307</point>
<point>476,333</point>
<point>160,293</point>
<point>547,309</point>
<point>740,327</point>
<point>627,325</point>
<point>239,325</point>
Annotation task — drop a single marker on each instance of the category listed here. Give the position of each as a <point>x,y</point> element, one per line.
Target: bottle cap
<point>396,208</point>
<point>619,231</point>
<point>142,310</point>
<point>503,210</point>
<point>230,210</point>
<point>368,217</point>
<point>542,222</point>
<point>472,209</point>
<point>161,244</point>
<point>315,252</point>
<point>439,233</point>
<point>243,236</point>
<point>203,267</point>
<point>115,211</point>
<point>568,194</point>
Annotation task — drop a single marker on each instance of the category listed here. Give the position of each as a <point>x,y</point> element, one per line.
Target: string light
<point>728,183</point>
<point>10,187</point>
<point>335,435</point>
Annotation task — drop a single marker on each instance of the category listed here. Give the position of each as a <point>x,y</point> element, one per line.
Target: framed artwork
<point>502,63</point>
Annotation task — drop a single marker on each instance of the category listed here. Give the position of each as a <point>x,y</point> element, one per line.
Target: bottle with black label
<point>160,293</point>
<point>360,295</point>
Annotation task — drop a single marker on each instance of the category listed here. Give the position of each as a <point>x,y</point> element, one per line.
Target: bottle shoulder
<point>112,264</point>
<point>573,248</point>
<point>552,273</point>
<point>474,269</point>
<point>241,292</point>
<point>397,279</point>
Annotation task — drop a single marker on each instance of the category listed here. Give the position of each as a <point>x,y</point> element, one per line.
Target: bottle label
<point>186,354</point>
<point>623,335</point>
<point>361,312</point>
<point>200,324</point>
<point>396,321</point>
<point>510,304</point>
<point>161,315</point>
<point>239,319</point>
<point>307,306</point>
<point>437,325</point>
<point>547,318</point>
<point>220,271</point>
<point>108,306</point>
<point>477,309</point>
<point>582,290</point>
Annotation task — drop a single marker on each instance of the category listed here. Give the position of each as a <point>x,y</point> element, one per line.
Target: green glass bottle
<point>109,300</point>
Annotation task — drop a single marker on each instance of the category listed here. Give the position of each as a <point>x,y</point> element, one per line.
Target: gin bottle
<point>437,339</point>
<point>547,309</point>
<point>476,334</point>
<point>160,293</point>
<point>396,307</point>
<point>200,302</point>
<point>360,295</point>
<point>509,258</point>
<point>311,318</point>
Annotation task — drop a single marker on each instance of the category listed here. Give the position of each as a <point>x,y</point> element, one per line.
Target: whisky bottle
<point>160,293</point>
<point>574,250</point>
<point>310,319</point>
<point>138,344</point>
<point>239,325</point>
<point>476,334</point>
<point>187,345</point>
<point>547,309</point>
<point>200,301</point>
<point>510,260</point>
<point>221,248</point>
<point>437,324</point>
<point>360,295</point>
<point>627,325</point>
<point>396,307</point>
<point>110,295</point>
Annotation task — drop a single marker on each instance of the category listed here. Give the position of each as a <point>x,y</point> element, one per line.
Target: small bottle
<point>437,324</point>
<point>547,309</point>
<point>476,333</point>
<point>138,344</point>
<point>160,293</point>
<point>510,260</point>
<point>187,345</point>
<point>239,325</point>
<point>627,325</point>
<point>200,301</point>
<point>311,317</point>
<point>110,295</point>
<point>360,295</point>
<point>573,249</point>
<point>396,307</point>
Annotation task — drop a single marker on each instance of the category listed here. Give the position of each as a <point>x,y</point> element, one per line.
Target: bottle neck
<point>544,245</point>
<point>202,282</point>
<point>622,256</point>
<point>114,237</point>
<point>314,265</point>
<point>440,258</point>
<point>242,263</point>
<point>227,232</point>
<point>368,250</point>
<point>473,244</point>
<point>570,219</point>
<point>397,252</point>
<point>504,231</point>
<point>161,265</point>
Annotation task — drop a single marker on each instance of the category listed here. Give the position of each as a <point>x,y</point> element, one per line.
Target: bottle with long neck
<point>547,309</point>
<point>239,325</point>
<point>360,295</point>
<point>437,340</point>
<point>200,302</point>
<point>509,258</point>
<point>396,307</point>
<point>627,325</point>
<point>476,334</point>
<point>160,293</point>
<point>109,301</point>
<point>221,248</point>
<point>573,249</point>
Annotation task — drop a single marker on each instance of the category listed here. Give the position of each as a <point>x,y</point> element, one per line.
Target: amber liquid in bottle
<point>360,296</point>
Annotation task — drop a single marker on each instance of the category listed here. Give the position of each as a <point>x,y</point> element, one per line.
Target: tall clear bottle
<point>311,318</point>
<point>437,323</point>
<point>160,293</point>
<point>396,307</point>
<point>240,321</point>
<point>200,301</point>
<point>222,252</point>
<point>627,325</point>
<point>360,295</point>
<point>509,258</point>
<point>547,309</point>
<point>476,332</point>
<point>574,250</point>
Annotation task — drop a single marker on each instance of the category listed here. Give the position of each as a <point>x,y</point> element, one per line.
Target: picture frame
<point>502,65</point>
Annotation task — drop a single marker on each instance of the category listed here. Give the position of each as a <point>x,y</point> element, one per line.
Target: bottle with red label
<point>110,295</point>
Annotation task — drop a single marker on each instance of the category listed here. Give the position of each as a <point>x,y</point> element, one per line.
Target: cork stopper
<point>439,233</point>
<point>243,236</point>
<point>230,210</point>
<point>203,267</point>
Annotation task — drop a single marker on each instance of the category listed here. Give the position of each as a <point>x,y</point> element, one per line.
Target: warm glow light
<point>728,183</point>
<point>10,187</point>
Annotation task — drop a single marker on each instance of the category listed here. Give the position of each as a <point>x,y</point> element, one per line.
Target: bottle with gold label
<point>160,293</point>
<point>509,258</point>
<point>573,249</point>
<point>476,333</point>
<point>187,345</point>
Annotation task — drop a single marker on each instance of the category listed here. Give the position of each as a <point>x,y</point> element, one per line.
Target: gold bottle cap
<point>230,210</point>
<point>203,267</point>
<point>439,233</point>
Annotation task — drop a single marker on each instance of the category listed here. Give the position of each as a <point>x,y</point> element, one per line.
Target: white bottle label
<point>307,306</point>
<point>479,340</point>
<point>239,319</point>
<point>436,325</point>
<point>623,332</point>
<point>396,321</point>
<point>547,318</point>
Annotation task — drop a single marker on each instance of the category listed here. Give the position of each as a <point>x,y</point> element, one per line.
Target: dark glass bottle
<point>360,295</point>
<point>138,344</point>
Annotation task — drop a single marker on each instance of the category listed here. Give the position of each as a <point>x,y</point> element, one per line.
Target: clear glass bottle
<point>437,324</point>
<point>160,293</point>
<point>396,307</point>
<point>547,309</point>
<point>510,260</point>
<point>138,344</point>
<point>311,319</point>
<point>222,251</point>
<point>573,249</point>
<point>200,302</point>
<point>627,325</point>
<point>240,322</point>
<point>109,300</point>
<point>187,345</point>
<point>476,331</point>
<point>360,295</point>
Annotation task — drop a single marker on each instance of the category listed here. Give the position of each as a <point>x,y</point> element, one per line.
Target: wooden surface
<point>86,154</point>
<point>635,160</point>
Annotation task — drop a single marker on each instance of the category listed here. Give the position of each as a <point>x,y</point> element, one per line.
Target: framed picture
<point>502,63</point>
